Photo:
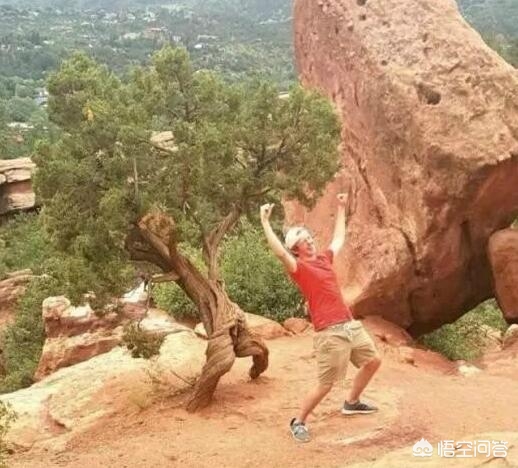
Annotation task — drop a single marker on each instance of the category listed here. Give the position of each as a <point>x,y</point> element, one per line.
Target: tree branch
<point>216,236</point>
<point>267,161</point>
<point>205,243</point>
<point>159,231</point>
<point>134,245</point>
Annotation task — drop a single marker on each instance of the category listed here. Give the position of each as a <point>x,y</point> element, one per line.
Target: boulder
<point>466,369</point>
<point>15,185</point>
<point>76,334</point>
<point>71,400</point>
<point>492,339</point>
<point>297,326</point>
<point>510,339</point>
<point>387,332</point>
<point>60,318</point>
<point>503,254</point>
<point>430,143</point>
<point>63,351</point>
<point>159,323</point>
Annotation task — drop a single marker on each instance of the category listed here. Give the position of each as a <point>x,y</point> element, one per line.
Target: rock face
<point>503,253</point>
<point>15,185</point>
<point>430,140</point>
<point>76,334</point>
<point>62,405</point>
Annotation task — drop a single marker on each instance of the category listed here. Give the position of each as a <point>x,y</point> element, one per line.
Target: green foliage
<point>465,338</point>
<point>170,297</point>
<point>490,16</point>
<point>7,417</point>
<point>141,344</point>
<point>23,245</point>
<point>256,280</point>
<point>20,109</point>
<point>23,340</point>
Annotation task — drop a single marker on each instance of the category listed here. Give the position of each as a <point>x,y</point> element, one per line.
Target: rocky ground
<point>136,419</point>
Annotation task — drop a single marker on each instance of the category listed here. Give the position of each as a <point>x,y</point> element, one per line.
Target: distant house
<point>155,33</point>
<point>42,97</point>
<point>131,36</point>
<point>21,126</point>
<point>206,37</point>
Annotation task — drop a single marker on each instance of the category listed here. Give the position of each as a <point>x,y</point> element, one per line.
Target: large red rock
<point>430,139</point>
<point>503,253</point>
<point>387,332</point>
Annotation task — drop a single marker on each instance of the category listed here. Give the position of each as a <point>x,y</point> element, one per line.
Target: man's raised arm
<point>344,208</point>
<point>275,244</point>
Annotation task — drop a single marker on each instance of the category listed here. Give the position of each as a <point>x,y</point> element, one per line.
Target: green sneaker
<point>299,431</point>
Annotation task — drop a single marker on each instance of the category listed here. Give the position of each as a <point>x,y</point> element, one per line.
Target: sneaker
<point>299,431</point>
<point>358,408</point>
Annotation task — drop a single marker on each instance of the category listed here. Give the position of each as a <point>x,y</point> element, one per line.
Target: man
<point>338,337</point>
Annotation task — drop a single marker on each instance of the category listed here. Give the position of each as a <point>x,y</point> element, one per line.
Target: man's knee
<point>374,363</point>
<point>325,387</point>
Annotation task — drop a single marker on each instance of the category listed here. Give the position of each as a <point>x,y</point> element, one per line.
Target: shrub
<point>7,417</point>
<point>140,343</point>
<point>170,297</point>
<point>256,280</point>
<point>465,338</point>
<point>22,244</point>
<point>23,340</point>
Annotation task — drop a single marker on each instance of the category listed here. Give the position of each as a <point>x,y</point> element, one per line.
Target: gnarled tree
<point>170,156</point>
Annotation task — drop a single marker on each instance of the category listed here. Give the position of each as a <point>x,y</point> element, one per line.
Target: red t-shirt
<point>318,283</point>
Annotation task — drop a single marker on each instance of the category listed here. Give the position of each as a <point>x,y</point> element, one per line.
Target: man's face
<point>305,247</point>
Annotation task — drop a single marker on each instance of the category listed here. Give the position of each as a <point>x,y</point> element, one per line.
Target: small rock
<point>297,326</point>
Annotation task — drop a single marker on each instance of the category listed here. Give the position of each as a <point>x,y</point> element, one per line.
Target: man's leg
<point>365,357</point>
<point>312,399</point>
<point>332,356</point>
<point>362,378</point>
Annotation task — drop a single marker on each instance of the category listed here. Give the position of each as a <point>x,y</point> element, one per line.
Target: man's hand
<point>266,211</point>
<point>347,199</point>
<point>274,242</point>
<point>343,199</point>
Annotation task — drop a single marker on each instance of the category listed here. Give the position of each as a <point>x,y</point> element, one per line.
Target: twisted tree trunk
<point>153,240</point>
<point>230,338</point>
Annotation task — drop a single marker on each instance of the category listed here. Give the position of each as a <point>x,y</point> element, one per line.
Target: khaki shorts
<point>338,344</point>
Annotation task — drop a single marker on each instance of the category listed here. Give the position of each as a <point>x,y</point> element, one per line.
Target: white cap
<point>294,235</point>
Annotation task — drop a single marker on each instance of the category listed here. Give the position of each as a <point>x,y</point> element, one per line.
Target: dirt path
<point>247,426</point>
